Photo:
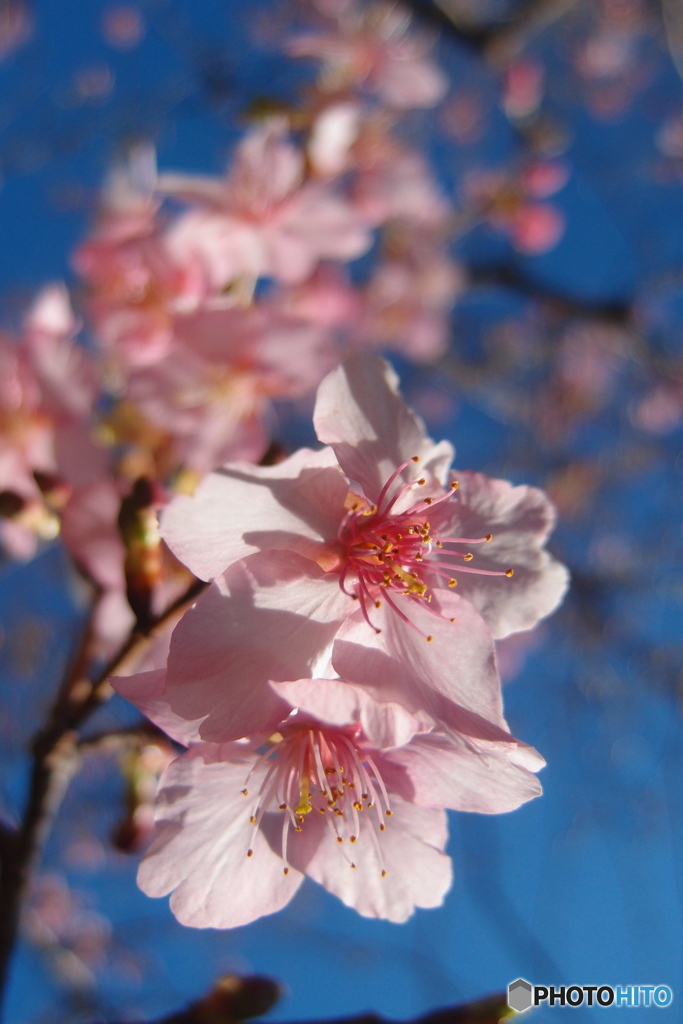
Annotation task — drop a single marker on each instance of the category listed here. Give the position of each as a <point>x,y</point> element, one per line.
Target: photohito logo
<point>522,995</point>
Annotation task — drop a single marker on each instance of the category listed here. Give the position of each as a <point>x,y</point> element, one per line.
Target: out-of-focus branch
<point>618,313</point>
<point>499,42</point>
<point>55,758</point>
<point>672,16</point>
<point>236,999</point>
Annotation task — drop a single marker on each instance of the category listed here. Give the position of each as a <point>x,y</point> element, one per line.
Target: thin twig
<point>55,758</point>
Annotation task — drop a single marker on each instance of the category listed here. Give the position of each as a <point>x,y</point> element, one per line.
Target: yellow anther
<point>384,874</point>
<point>285,871</point>
<point>339,839</point>
<point>428,501</point>
<point>250,853</point>
<point>383,828</point>
<point>452,583</point>
<point>468,557</point>
<point>422,481</point>
<point>245,792</point>
<point>415,458</point>
<point>454,485</point>
<point>489,536</point>
<point>252,820</point>
<point>510,572</point>
<point>429,639</point>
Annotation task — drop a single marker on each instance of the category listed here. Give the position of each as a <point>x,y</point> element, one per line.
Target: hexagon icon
<point>519,995</point>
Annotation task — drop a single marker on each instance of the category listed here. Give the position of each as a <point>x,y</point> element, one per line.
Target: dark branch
<point>55,758</point>
<point>497,41</point>
<point>237,999</point>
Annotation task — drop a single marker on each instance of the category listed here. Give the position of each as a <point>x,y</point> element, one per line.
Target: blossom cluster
<point>203,302</point>
<point>336,684</point>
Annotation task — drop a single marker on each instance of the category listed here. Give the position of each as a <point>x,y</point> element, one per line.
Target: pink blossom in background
<point>64,926</point>
<point>16,26</point>
<point>211,394</point>
<point>123,26</point>
<point>409,298</point>
<point>349,790</point>
<point>264,219</point>
<point>135,283</point>
<point>524,84</point>
<point>536,228</point>
<point>90,535</point>
<point>512,204</point>
<point>392,526</point>
<point>333,134</point>
<point>544,178</point>
<point>373,48</point>
<point>660,410</point>
<point>392,183</point>
<point>327,299</point>
<point>48,389</point>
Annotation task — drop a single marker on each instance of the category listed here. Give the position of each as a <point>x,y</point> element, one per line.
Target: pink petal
<point>417,83</point>
<point>453,678</point>
<point>520,519</point>
<point>271,616</point>
<point>372,431</point>
<point>464,775</point>
<point>337,702</point>
<point>90,533</point>
<point>418,873</point>
<point>147,690</point>
<point>297,504</point>
<point>203,833</point>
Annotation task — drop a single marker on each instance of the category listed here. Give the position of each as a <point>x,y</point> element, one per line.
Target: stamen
<point>394,475</point>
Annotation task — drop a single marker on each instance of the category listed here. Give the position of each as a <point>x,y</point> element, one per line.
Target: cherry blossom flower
<point>375,49</point>
<point>48,387</point>
<point>16,26</point>
<point>263,219</point>
<point>211,394</point>
<point>333,133</point>
<point>409,299</point>
<point>395,526</point>
<point>136,282</point>
<point>515,207</point>
<point>347,790</point>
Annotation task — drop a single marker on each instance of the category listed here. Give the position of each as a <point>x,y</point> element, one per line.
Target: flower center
<point>325,772</point>
<point>400,553</point>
